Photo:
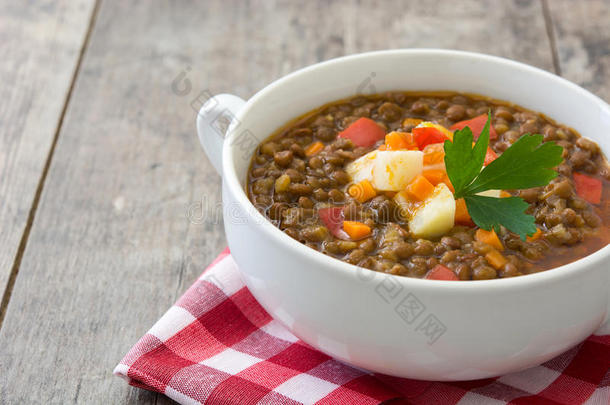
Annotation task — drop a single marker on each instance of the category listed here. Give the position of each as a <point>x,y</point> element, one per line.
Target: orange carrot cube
<point>489,237</point>
<point>496,259</point>
<point>356,230</point>
<point>314,148</point>
<point>420,188</point>
<point>462,217</point>
<point>362,191</point>
<point>434,176</point>
<point>537,235</point>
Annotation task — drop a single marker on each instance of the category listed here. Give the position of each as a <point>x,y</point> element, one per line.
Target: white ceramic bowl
<point>424,329</point>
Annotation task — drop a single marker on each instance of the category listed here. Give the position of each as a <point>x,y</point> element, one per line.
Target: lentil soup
<point>315,179</point>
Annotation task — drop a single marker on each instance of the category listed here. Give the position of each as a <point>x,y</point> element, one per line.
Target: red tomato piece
<point>425,136</point>
<point>440,272</point>
<point>363,132</point>
<point>490,156</point>
<point>332,218</point>
<point>476,125</point>
<point>588,188</point>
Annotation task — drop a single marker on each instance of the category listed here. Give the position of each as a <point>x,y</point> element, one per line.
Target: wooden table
<point>109,208</point>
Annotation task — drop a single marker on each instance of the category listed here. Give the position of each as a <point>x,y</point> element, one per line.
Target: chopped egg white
<point>436,216</point>
<point>393,170</point>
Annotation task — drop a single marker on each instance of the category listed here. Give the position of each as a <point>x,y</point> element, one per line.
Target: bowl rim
<point>231,181</point>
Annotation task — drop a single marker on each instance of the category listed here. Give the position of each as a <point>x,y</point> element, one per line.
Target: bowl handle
<point>215,117</point>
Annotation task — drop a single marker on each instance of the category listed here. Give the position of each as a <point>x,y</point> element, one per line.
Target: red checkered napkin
<point>218,345</point>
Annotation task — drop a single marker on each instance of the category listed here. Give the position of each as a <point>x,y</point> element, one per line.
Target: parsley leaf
<point>463,162</point>
<point>491,212</point>
<point>525,164</point>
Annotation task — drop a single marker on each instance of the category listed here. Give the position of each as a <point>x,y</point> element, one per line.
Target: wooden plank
<point>111,247</point>
<point>582,37</point>
<point>40,44</point>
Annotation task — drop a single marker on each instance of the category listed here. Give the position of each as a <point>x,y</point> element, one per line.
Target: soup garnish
<point>525,164</point>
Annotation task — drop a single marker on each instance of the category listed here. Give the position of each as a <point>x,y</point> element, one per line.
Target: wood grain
<point>112,246</point>
<point>40,44</point>
<point>582,36</point>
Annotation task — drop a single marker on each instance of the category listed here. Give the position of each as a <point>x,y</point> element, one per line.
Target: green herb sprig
<point>527,163</point>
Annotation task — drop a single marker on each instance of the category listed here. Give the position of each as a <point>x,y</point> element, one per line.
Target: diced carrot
<point>433,158</point>
<point>383,146</point>
<point>435,147</point>
<point>314,148</point>
<point>588,188</point>
<point>496,259</point>
<point>490,156</point>
<point>489,237</point>
<point>420,188</point>
<point>409,140</point>
<point>434,176</point>
<point>396,141</point>
<point>440,272</point>
<point>356,230</point>
<point>411,122</point>
<point>505,194</point>
<point>363,132</point>
<point>535,236</point>
<point>362,191</point>
<point>462,217</point>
